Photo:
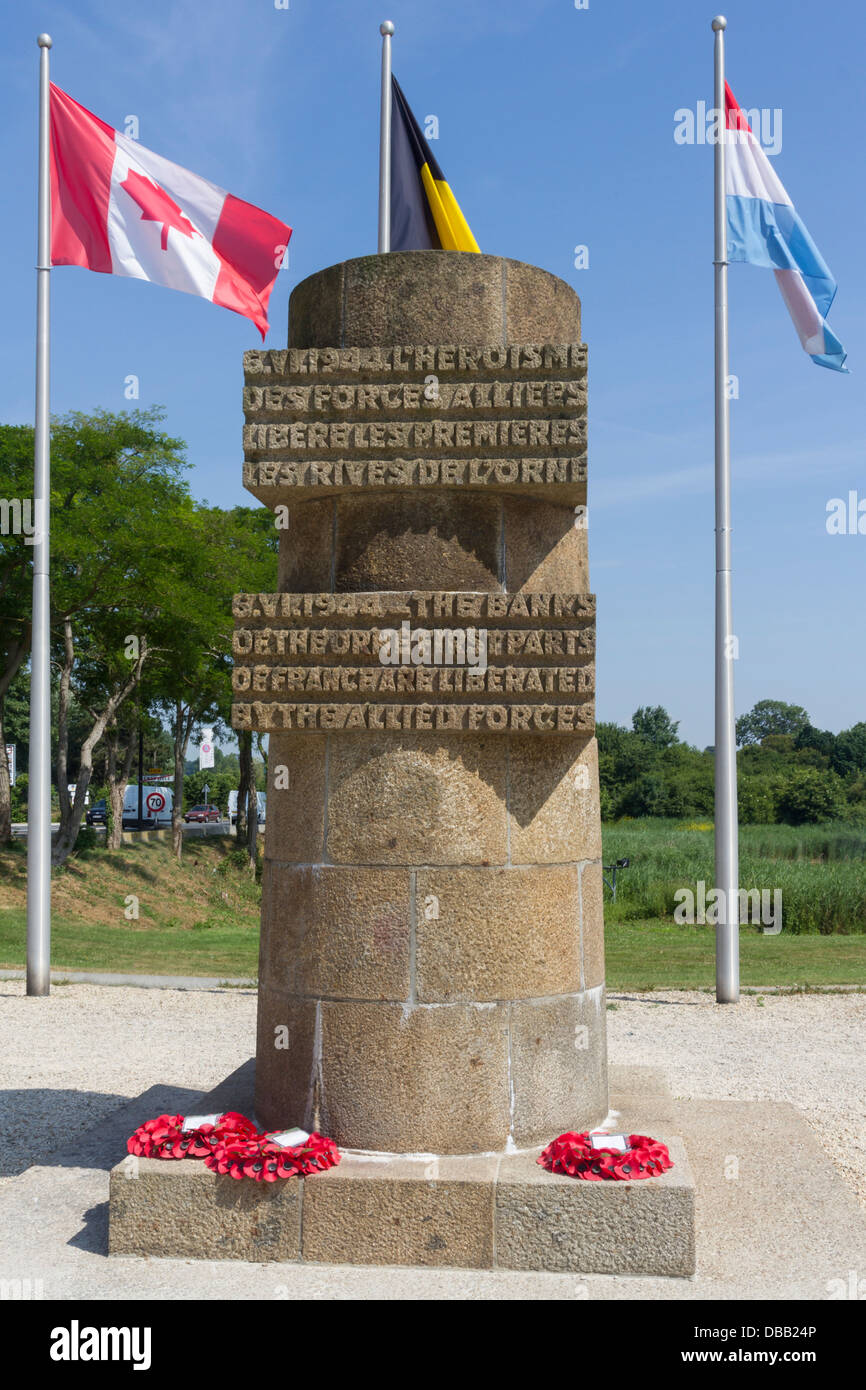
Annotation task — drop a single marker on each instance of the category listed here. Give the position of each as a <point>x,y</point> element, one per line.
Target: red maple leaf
<point>156,206</point>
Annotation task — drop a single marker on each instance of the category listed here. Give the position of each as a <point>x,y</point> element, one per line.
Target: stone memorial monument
<point>431,982</point>
<point>432,913</point>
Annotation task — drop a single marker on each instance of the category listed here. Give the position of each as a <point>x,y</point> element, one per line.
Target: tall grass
<point>821,870</point>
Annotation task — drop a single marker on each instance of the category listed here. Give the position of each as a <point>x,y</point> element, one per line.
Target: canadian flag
<point>123,210</point>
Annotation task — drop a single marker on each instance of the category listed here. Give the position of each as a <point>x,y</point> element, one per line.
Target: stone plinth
<point>477,1212</point>
<point>432,966</point>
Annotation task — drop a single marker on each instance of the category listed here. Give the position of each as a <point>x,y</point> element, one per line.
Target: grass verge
<point>654,955</point>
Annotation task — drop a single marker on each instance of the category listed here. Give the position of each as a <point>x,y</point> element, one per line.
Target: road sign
<point>155,802</point>
<point>205,752</point>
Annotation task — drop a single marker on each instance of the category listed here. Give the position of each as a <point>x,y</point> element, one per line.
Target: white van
<point>233,806</point>
<point>156,804</point>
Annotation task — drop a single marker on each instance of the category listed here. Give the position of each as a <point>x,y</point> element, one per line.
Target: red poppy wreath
<point>574,1155</point>
<point>166,1137</point>
<point>264,1160</point>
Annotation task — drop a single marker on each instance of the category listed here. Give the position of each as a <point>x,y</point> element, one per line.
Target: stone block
<point>409,542</point>
<point>558,1066</point>
<point>546,1221</point>
<point>474,1212</point>
<point>423,1080</point>
<point>498,933</point>
<point>417,799</point>
<point>295,824</point>
<point>545,551</point>
<point>402,1212</point>
<point>306,548</point>
<point>316,309</point>
<point>553,800</point>
<point>336,932</point>
<point>183,1211</point>
<point>539,307</point>
<point>423,297</point>
<point>592,924</point>
<point>287,1077</point>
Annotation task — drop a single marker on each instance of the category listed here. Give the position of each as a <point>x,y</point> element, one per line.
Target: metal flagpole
<point>727,866</point>
<point>386,29</point>
<point>39,795</point>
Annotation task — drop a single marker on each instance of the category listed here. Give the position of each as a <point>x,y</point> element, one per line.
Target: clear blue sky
<point>556,129</point>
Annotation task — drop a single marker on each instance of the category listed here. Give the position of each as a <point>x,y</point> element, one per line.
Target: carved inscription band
<point>491,418</point>
<point>475,661</point>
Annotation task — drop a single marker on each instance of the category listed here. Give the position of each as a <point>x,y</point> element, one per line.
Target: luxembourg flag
<point>123,210</point>
<point>764,229</point>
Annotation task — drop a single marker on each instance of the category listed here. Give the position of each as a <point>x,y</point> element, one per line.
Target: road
<point>221,827</point>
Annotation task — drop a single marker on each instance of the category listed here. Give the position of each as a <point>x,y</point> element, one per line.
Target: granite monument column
<point>431,970</point>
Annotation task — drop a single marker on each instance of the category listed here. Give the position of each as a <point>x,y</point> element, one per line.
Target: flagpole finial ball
<point>44,40</point>
<point>720,23</point>
<point>386,29</point>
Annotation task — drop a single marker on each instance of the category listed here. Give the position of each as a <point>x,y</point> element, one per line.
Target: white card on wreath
<point>196,1121</point>
<point>289,1138</point>
<point>598,1140</point>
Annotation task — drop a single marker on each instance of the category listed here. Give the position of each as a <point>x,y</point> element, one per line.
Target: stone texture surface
<point>490,934</point>
<point>316,309</point>
<point>295,825</point>
<point>422,943</point>
<point>470,1212</point>
<point>411,799</point>
<point>558,1066</point>
<point>456,297</point>
<point>539,307</point>
<point>306,548</point>
<point>403,1212</point>
<point>429,1079</point>
<point>185,1212</point>
<point>592,924</point>
<point>544,550</point>
<point>415,542</point>
<point>545,1221</point>
<point>553,800</point>
<point>287,1079</point>
<point>336,933</point>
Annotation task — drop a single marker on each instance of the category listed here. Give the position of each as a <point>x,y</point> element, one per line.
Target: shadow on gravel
<point>48,1114</point>
<point>93,1236</point>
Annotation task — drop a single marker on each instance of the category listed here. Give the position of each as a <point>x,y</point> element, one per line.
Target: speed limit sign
<point>155,802</point>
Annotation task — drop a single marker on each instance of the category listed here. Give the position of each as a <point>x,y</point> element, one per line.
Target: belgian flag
<point>425,215</point>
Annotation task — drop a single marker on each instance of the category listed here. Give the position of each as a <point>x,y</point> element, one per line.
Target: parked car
<point>200,814</point>
<point>97,814</point>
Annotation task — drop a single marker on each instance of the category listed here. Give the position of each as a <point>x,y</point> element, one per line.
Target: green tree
<point>225,552</point>
<point>16,583</point>
<point>810,796</point>
<point>115,479</point>
<point>120,509</point>
<point>654,725</point>
<point>770,717</point>
<point>849,751</point>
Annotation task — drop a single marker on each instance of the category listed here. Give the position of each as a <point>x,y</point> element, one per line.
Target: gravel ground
<point>72,1058</point>
<point>807,1049</point>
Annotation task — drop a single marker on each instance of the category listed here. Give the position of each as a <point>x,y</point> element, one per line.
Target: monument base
<point>471,1212</point>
